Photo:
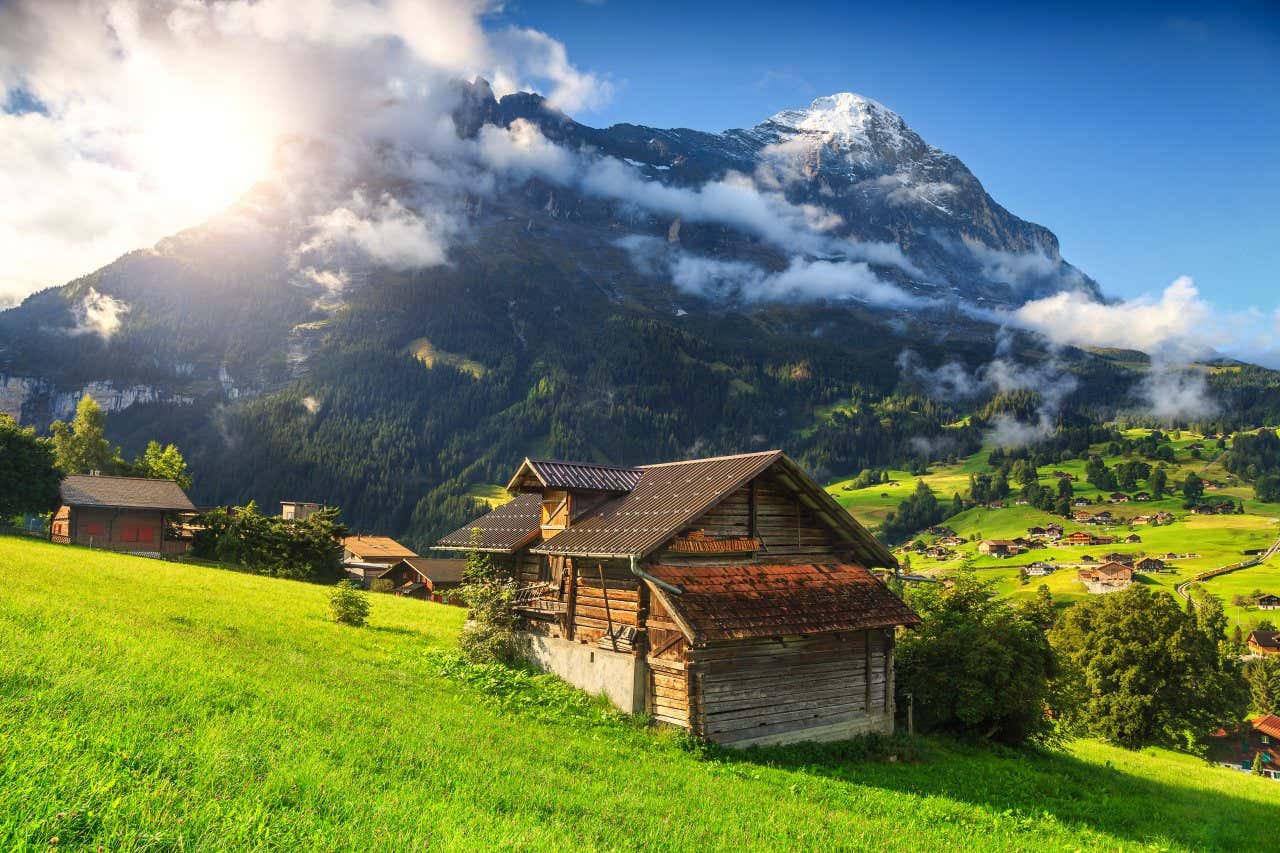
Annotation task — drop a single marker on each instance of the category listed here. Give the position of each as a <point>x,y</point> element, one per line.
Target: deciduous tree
<point>28,478</point>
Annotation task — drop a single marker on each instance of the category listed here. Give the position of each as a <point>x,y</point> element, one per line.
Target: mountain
<point>652,294</point>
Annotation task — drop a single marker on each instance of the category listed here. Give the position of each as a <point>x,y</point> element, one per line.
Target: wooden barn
<point>130,514</point>
<point>731,596</point>
<point>422,577</point>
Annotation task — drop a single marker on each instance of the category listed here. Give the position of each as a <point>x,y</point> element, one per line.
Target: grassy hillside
<point>1214,541</point>
<point>160,706</point>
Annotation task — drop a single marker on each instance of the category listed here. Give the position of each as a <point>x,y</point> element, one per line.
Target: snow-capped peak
<point>847,116</point>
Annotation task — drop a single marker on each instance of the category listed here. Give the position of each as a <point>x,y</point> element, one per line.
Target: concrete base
<point>622,678</point>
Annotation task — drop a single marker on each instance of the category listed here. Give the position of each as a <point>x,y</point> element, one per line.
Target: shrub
<point>349,603</point>
<point>490,634</point>
<point>976,665</point>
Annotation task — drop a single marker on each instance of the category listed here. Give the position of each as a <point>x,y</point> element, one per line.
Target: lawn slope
<point>159,706</point>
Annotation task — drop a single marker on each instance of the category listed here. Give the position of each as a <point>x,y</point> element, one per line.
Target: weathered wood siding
<point>787,529</point>
<point>668,671</point>
<point>607,594</point>
<point>817,688</point>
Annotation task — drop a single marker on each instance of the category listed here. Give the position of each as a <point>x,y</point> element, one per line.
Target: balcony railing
<point>539,598</point>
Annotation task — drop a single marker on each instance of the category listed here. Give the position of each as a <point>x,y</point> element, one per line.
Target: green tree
<point>1192,490</point>
<point>28,476</point>
<point>1258,764</point>
<point>976,664</point>
<point>1141,670</point>
<point>163,463</point>
<point>1267,488</point>
<point>1039,609</point>
<point>1158,482</point>
<point>1065,489</point>
<point>81,446</point>
<point>306,549</point>
<point>1263,677</point>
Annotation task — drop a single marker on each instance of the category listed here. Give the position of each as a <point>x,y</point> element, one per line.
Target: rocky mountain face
<point>567,318</point>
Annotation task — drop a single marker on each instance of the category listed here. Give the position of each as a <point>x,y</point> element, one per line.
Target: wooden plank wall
<point>668,672</point>
<point>764,689</point>
<point>788,530</point>
<point>616,600</point>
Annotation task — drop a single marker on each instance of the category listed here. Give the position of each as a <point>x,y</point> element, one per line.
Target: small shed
<point>423,577</point>
<point>135,515</point>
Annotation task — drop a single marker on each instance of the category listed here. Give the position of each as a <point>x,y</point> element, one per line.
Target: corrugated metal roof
<point>366,547</point>
<point>744,602</point>
<point>438,569</point>
<point>665,499</point>
<point>503,529</point>
<point>555,474</point>
<point>82,490</point>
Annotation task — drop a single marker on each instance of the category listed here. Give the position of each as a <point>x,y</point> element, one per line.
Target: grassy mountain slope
<point>154,705</point>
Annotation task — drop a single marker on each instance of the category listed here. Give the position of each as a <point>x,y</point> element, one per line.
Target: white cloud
<point>154,116</point>
<point>1177,323</point>
<point>98,314</point>
<point>1172,394</point>
<point>386,232</point>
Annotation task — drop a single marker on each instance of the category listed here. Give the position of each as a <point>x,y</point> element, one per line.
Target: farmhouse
<point>1133,539</point>
<point>1149,564</point>
<point>999,547</point>
<point>365,558</point>
<point>299,510</point>
<point>1239,747</point>
<point>1263,642</point>
<point>1269,602</point>
<point>1039,570</point>
<point>730,596</point>
<point>1115,557</point>
<point>130,514</point>
<point>1119,498</point>
<point>421,577</point>
<point>950,541</point>
<point>1108,577</point>
<point>1080,537</point>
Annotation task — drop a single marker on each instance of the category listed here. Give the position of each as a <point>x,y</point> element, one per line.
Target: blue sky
<point>1147,137</point>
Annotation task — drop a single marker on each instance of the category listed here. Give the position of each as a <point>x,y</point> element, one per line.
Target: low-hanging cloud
<point>385,232</point>
<point>1175,394</point>
<point>98,314</point>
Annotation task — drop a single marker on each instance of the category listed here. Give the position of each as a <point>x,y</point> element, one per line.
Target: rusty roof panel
<point>504,529</point>
<point>745,602</point>
<point>666,498</point>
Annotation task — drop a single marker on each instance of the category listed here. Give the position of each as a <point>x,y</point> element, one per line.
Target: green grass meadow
<point>157,706</point>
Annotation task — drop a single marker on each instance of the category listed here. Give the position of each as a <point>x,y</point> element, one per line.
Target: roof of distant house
<point>92,490</point>
<point>438,569</point>
<point>366,547</point>
<point>1265,639</point>
<point>739,602</point>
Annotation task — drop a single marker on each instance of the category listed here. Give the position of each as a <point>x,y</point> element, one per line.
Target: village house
<point>1116,557</point>
<point>1149,564</point>
<point>1133,539</point>
<point>1164,517</point>
<point>135,515</point>
<point>299,510</point>
<point>1083,516</point>
<point>1142,496</point>
<point>999,547</point>
<point>421,577</point>
<point>1108,577</point>
<point>1264,642</point>
<point>732,596</point>
<point>1119,498</point>
<point>1035,531</point>
<point>1239,747</point>
<point>1080,537</point>
<point>365,558</point>
<point>950,541</point>
<point>1080,502</point>
<point>1269,602</point>
<point>1039,570</point>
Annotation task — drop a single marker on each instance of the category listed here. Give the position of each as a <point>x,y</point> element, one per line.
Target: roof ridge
<point>536,460</point>
<point>712,458</point>
<point>121,477</point>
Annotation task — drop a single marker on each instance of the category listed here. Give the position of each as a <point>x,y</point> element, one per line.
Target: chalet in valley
<point>299,510</point>
<point>1108,577</point>
<point>1149,564</point>
<point>365,558</point>
<point>731,596</point>
<point>1269,602</point>
<point>1239,747</point>
<point>131,514</point>
<point>1263,642</point>
<point>1000,547</point>
<point>421,577</point>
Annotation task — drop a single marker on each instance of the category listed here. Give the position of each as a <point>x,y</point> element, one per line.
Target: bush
<point>349,603</point>
<point>490,634</point>
<point>976,665</point>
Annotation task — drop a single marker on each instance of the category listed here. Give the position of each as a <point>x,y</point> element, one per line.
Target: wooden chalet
<point>365,558</point>
<point>731,596</point>
<point>1264,642</point>
<point>1241,745</point>
<point>1149,564</point>
<point>422,577</point>
<point>135,515</point>
<point>1108,577</point>
<point>1269,602</point>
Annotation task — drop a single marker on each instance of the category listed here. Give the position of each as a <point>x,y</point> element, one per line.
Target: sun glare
<point>203,159</point>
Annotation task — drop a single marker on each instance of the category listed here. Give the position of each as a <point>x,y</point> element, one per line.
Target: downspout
<point>643,575</point>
